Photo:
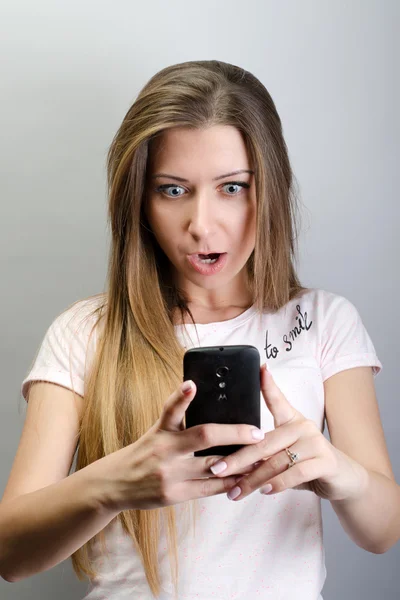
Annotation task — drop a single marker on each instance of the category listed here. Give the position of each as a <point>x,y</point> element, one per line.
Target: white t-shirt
<point>262,546</point>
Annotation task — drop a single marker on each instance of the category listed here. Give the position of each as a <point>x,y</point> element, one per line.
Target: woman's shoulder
<point>78,318</point>
<point>86,306</point>
<point>320,297</point>
<point>325,306</point>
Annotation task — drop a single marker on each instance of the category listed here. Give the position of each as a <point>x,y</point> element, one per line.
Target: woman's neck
<point>203,315</point>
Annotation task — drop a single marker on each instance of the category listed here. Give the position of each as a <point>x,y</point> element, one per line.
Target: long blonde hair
<point>135,368</point>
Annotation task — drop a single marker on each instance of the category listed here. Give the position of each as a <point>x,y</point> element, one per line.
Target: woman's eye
<point>232,186</point>
<point>165,187</point>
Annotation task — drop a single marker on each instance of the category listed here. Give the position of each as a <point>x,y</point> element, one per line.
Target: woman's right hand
<point>159,469</point>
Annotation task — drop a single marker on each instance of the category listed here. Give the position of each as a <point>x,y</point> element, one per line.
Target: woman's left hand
<point>321,468</point>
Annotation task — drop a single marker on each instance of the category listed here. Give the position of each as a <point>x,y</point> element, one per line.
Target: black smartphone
<point>228,388</point>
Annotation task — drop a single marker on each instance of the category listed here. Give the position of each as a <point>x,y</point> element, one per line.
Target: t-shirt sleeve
<point>62,355</point>
<point>345,342</point>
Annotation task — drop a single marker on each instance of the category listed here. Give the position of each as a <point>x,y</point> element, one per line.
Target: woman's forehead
<point>218,149</point>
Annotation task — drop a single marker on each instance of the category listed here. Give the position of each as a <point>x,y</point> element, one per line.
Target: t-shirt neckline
<point>228,324</point>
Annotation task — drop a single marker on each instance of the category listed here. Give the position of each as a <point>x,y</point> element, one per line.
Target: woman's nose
<point>201,217</point>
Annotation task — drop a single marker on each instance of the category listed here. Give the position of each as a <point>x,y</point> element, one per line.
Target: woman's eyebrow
<point>214,179</point>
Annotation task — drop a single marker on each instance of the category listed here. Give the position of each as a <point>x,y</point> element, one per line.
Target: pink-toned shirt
<point>262,546</point>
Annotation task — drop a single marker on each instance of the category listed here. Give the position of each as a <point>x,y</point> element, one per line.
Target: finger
<point>175,407</point>
<point>279,463</point>
<point>202,488</point>
<point>295,477</point>
<point>298,475</point>
<point>199,467</point>
<point>209,435</point>
<point>277,403</point>
<point>274,441</point>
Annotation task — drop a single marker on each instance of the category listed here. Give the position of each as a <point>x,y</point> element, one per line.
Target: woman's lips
<point>207,268</point>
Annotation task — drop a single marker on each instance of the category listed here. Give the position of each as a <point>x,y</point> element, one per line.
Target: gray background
<point>70,72</point>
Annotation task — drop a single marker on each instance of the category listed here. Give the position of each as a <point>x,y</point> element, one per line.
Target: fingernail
<point>234,493</point>
<point>257,434</point>
<point>187,386</point>
<point>218,467</point>
<point>266,489</point>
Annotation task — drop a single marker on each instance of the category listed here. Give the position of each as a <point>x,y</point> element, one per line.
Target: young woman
<point>202,212</point>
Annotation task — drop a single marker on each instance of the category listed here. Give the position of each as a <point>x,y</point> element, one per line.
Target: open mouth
<point>208,264</point>
<point>209,259</point>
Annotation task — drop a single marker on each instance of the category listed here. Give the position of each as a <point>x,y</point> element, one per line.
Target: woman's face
<point>194,207</point>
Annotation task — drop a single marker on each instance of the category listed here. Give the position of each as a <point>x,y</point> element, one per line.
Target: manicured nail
<point>187,386</point>
<point>218,467</point>
<point>266,489</point>
<point>234,493</point>
<point>257,434</point>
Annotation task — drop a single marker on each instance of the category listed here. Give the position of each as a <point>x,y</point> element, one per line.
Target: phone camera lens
<point>222,371</point>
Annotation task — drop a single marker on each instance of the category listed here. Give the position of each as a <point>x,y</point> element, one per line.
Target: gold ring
<point>294,457</point>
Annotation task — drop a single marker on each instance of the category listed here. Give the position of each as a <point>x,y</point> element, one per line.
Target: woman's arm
<point>40,529</point>
<point>371,520</point>
<point>45,513</point>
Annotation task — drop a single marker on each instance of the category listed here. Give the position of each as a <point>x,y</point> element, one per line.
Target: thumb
<point>175,407</point>
<point>276,401</point>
